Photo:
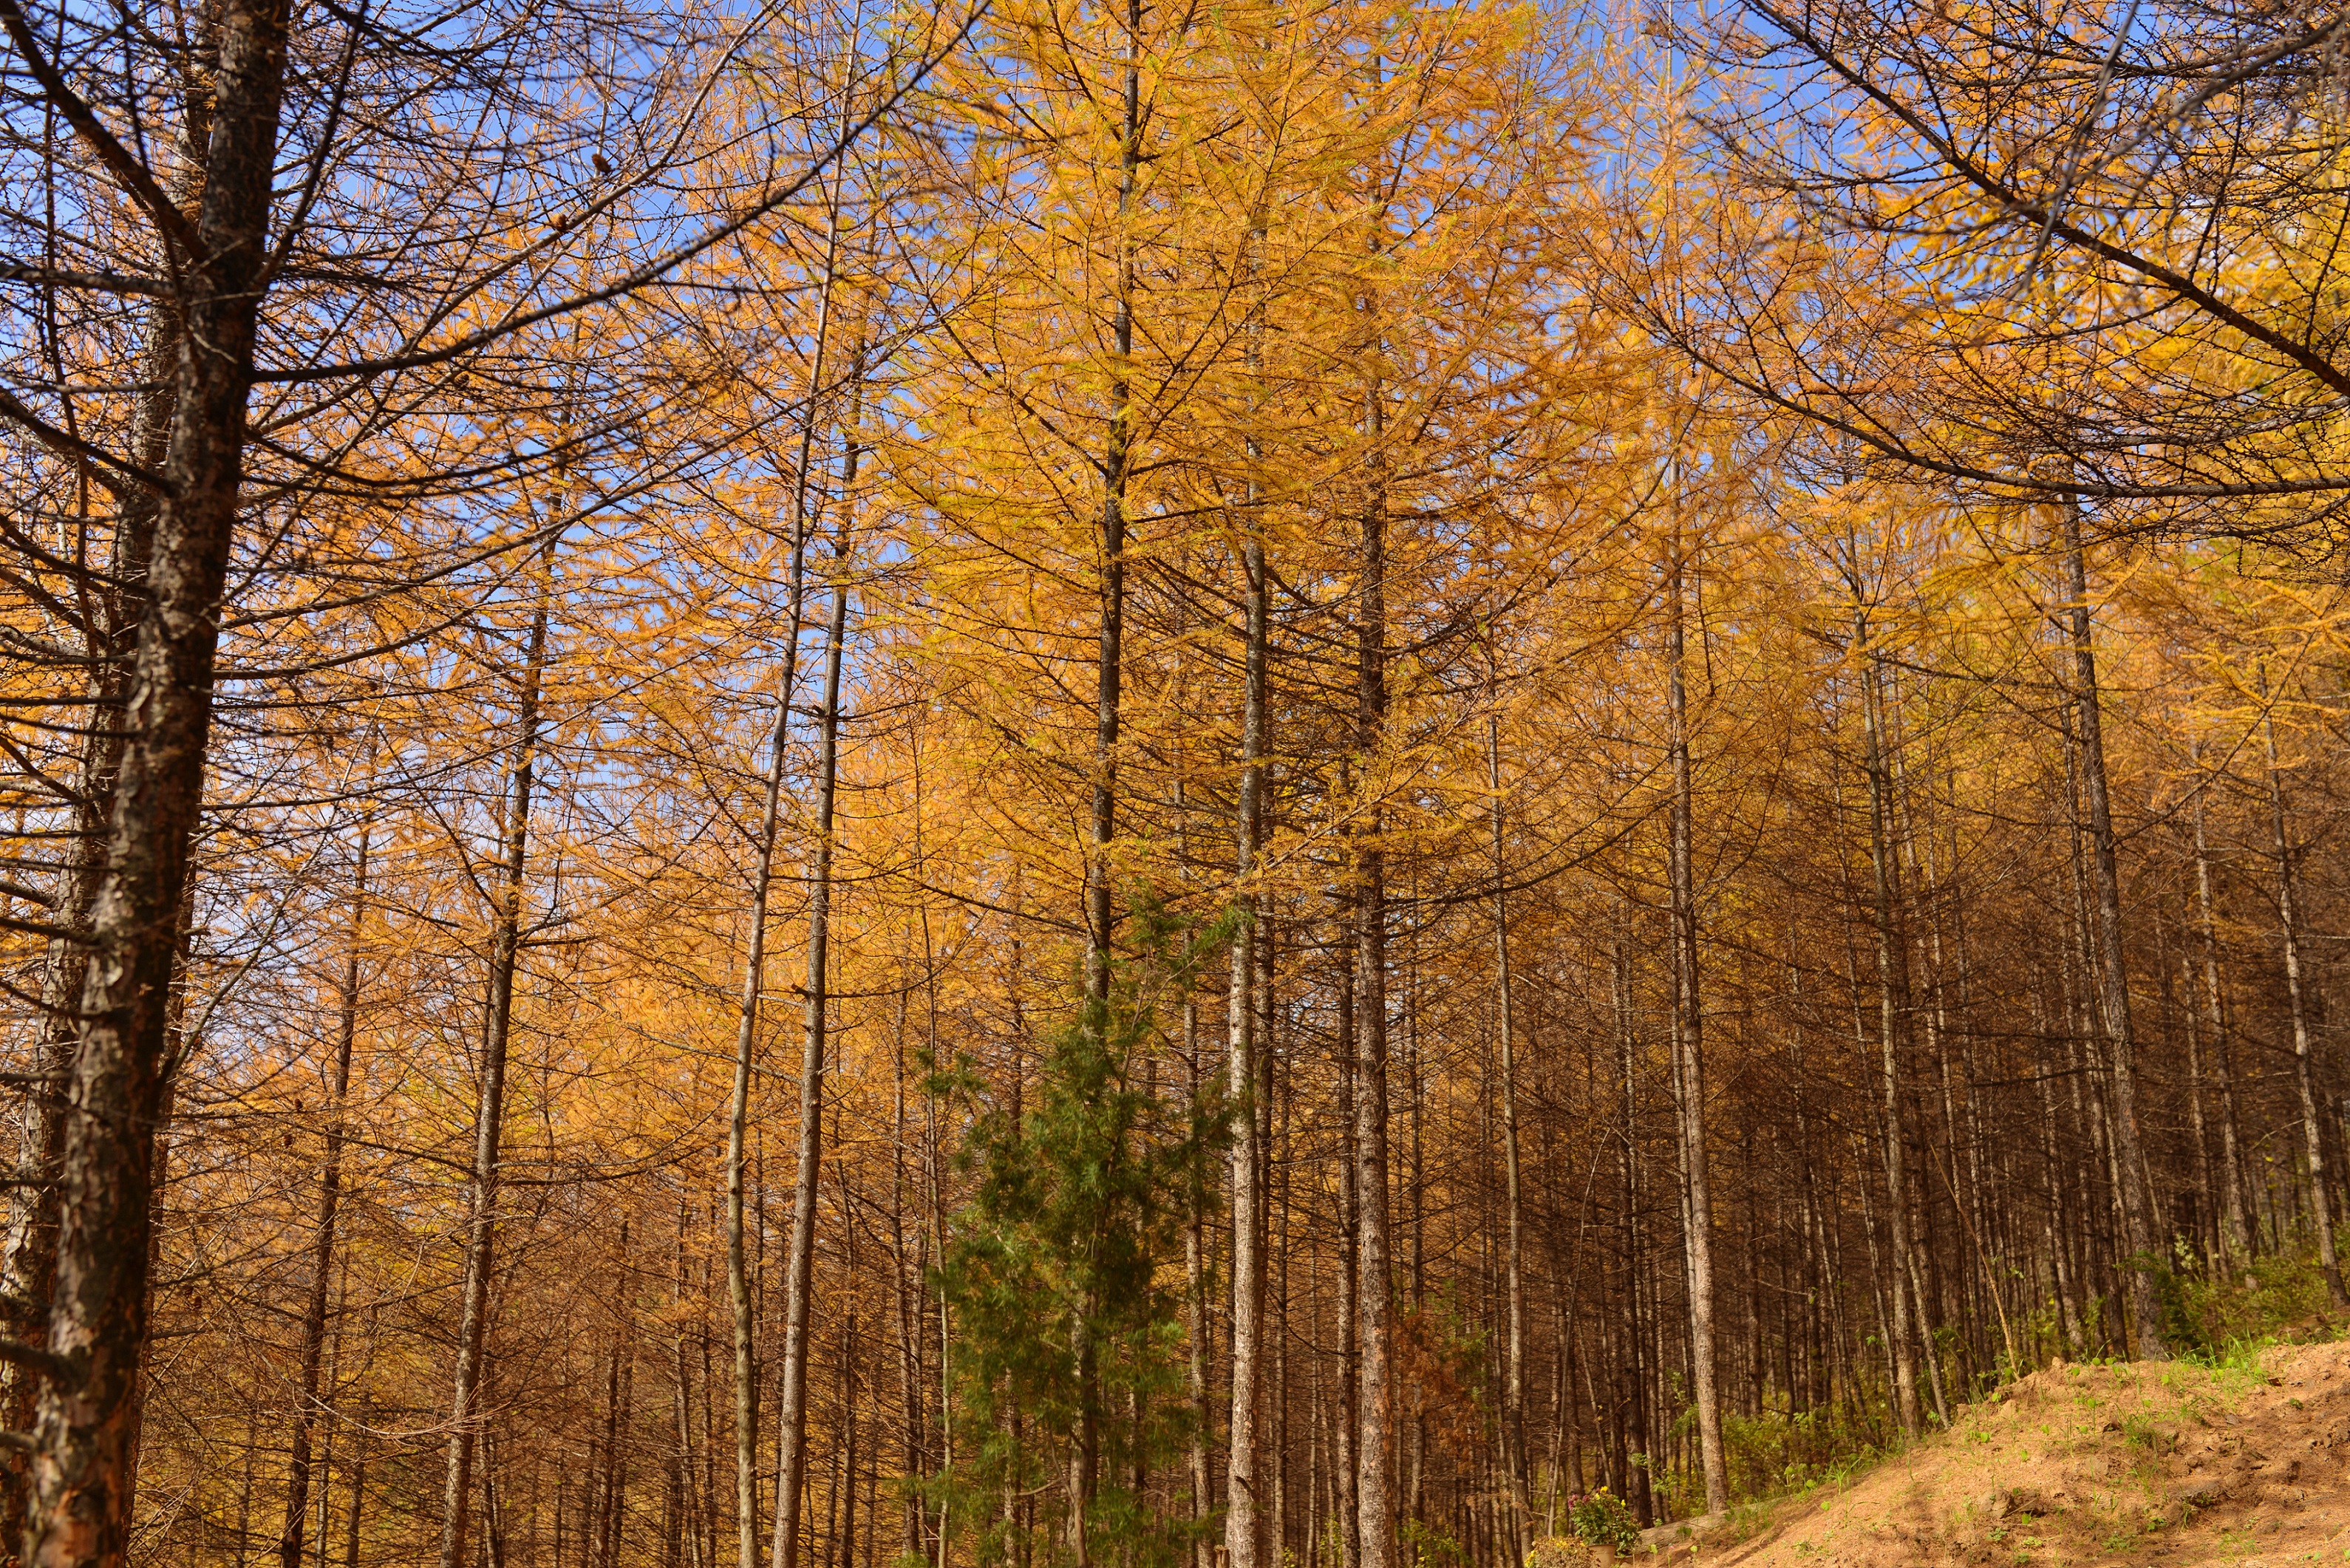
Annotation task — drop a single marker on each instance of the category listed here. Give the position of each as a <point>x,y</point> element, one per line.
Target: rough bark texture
<point>87,1430</point>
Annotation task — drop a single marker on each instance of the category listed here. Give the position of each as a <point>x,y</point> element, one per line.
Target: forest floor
<point>2172,1463</point>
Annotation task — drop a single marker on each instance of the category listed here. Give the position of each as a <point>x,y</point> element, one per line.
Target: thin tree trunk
<point>322,1247</point>
<point>357,1504</point>
<point>738,1280</point>
<point>505,954</point>
<point>1632,1460</point>
<point>1893,1007</point>
<point>1374,1470</point>
<point>2320,1201</point>
<point>1195,1302</point>
<point>2206,1195</point>
<point>1514,1398</point>
<point>2235,1237</point>
<point>2137,1228</point>
<point>907,1278</point>
<point>1688,1076</point>
<point>1347,1428</point>
<point>790,1459</point>
<point>1243,1527</point>
<point>1101,901</point>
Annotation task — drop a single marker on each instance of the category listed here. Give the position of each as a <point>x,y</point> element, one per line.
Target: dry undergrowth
<point>2168,1464</point>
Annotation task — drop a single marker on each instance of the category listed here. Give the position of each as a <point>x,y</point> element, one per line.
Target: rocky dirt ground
<point>2153,1464</point>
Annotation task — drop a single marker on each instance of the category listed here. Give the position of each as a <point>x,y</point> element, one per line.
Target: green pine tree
<point>1067,1363</point>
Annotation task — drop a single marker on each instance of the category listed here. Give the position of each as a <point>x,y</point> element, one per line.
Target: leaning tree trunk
<point>86,1434</point>
<point>505,954</point>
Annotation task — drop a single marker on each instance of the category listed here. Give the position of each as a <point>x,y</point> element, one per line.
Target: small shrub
<point>1604,1519</point>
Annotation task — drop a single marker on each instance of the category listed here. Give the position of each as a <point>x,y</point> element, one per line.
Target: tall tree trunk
<point>1688,1075</point>
<point>505,952</point>
<point>1101,901</point>
<point>1201,1330</point>
<point>1347,1428</point>
<point>28,1255</point>
<point>86,1431</point>
<point>356,1508</point>
<point>2289,926</point>
<point>1631,1460</point>
<point>2235,1238</point>
<point>1374,1466</point>
<point>1514,1392</point>
<point>738,1272</point>
<point>907,1278</point>
<point>1243,1527</point>
<point>2137,1225</point>
<point>791,1458</point>
<point>322,1246</point>
<point>1893,1013</point>
<point>2212,1245</point>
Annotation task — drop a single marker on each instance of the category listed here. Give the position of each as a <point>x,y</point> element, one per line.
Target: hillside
<point>2154,1463</point>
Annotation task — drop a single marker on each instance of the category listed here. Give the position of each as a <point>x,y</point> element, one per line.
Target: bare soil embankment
<point>2154,1463</point>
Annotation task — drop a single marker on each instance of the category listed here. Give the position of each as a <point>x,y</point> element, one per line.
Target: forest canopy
<point>1042,784</point>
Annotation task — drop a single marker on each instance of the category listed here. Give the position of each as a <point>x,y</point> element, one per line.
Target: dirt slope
<point>2092,1465</point>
